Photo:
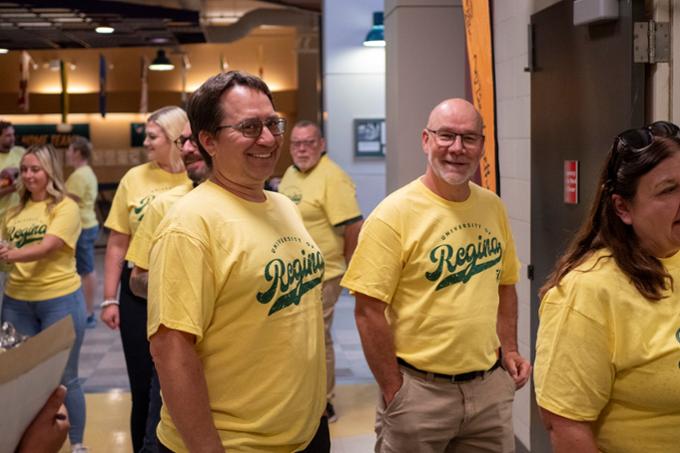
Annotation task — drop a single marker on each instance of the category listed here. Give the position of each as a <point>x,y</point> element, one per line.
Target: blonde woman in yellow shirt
<point>43,287</point>
<point>138,187</point>
<point>608,345</point>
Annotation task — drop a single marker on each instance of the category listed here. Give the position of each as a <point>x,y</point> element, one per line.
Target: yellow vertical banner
<point>480,58</point>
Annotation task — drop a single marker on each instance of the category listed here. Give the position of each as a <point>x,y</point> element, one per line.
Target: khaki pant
<point>433,416</point>
<point>330,293</point>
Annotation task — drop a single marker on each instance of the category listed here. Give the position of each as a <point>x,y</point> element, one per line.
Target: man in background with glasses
<point>326,198</point>
<point>235,320</point>
<point>434,277</point>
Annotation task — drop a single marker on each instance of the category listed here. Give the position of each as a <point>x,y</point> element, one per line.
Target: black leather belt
<point>448,377</point>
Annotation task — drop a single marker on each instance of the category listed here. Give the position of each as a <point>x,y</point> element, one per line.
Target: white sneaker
<point>79,448</point>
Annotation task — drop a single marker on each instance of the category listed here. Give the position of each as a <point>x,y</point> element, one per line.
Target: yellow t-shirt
<point>83,184</point>
<point>54,275</point>
<point>326,197</point>
<point>438,265</point>
<point>245,279</point>
<point>140,246</point>
<point>606,354</point>
<point>138,188</point>
<point>7,160</point>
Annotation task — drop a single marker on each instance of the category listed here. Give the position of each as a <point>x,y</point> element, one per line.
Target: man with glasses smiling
<point>235,320</point>
<point>326,197</point>
<point>434,275</point>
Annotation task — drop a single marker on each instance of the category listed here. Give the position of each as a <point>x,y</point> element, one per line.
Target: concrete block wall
<point>510,21</point>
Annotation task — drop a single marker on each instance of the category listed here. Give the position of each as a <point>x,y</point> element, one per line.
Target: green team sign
<point>41,134</point>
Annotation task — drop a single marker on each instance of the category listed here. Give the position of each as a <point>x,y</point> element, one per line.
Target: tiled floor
<point>102,367</point>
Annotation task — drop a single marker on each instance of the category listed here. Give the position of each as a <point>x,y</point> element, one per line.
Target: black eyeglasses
<point>446,138</point>
<point>252,128</point>
<point>181,140</point>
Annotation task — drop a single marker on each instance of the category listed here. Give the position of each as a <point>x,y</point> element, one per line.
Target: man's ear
<point>209,142</point>
<point>622,208</point>
<point>424,140</point>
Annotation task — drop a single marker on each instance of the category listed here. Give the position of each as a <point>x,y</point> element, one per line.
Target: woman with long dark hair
<point>608,348</point>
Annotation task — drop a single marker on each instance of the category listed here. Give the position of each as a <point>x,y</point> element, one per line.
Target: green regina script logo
<point>138,209</point>
<point>461,264</point>
<point>22,236</point>
<point>291,280</point>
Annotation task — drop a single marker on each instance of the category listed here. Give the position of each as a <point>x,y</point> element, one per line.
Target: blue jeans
<point>85,250</point>
<point>30,318</point>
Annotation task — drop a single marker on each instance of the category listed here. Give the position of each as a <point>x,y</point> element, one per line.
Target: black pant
<point>138,361</point>
<point>321,443</point>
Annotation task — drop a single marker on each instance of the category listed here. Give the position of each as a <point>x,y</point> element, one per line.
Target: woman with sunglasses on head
<point>608,347</point>
<point>138,187</point>
<point>43,287</point>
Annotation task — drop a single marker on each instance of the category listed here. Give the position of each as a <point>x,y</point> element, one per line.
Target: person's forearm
<point>34,252</point>
<point>506,326</point>
<point>377,342</point>
<point>4,191</point>
<point>568,436</point>
<point>113,262</point>
<point>139,282</point>
<point>29,253</point>
<point>351,237</point>
<point>185,391</point>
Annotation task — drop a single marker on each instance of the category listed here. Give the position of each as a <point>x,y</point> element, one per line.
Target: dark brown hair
<point>205,106</point>
<point>604,229</point>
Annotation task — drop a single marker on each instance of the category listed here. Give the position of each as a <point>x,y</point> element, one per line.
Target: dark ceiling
<point>49,24</point>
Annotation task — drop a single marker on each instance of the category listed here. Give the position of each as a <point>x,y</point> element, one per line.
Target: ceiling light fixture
<point>161,62</point>
<point>376,36</point>
<point>104,29</point>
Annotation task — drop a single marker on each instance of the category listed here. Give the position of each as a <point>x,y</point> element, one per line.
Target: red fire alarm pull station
<point>571,182</point>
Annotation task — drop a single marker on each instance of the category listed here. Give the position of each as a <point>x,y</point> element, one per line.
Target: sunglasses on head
<point>637,140</point>
<point>641,138</point>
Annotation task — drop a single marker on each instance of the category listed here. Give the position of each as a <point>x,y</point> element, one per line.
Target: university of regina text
<point>461,264</point>
<point>288,279</point>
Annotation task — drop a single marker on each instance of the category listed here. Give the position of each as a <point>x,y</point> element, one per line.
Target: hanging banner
<point>185,65</point>
<point>102,85</point>
<point>224,64</point>
<point>144,98</point>
<point>480,58</point>
<point>64,92</point>
<point>260,61</point>
<point>25,64</point>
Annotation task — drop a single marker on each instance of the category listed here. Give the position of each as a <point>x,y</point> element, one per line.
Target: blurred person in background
<point>326,197</point>
<point>137,189</point>
<point>82,187</point>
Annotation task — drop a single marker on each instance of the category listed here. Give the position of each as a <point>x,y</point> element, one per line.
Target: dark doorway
<point>585,89</point>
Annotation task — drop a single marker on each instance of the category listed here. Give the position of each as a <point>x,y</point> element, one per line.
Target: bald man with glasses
<point>434,276</point>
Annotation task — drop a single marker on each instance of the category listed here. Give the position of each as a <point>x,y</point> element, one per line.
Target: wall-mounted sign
<point>369,137</point>
<point>571,181</point>
<point>41,134</point>
<point>137,134</point>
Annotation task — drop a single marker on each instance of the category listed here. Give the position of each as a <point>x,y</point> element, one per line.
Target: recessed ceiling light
<point>105,29</point>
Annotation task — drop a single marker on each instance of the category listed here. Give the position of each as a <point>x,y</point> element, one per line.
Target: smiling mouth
<point>262,155</point>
